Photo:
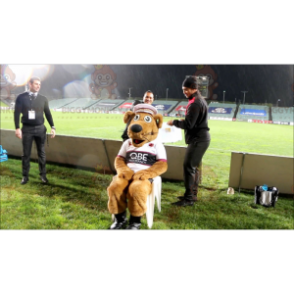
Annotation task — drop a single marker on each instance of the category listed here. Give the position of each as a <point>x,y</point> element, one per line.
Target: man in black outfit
<point>32,105</point>
<point>147,99</point>
<point>197,137</point>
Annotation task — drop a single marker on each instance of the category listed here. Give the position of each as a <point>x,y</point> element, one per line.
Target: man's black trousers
<point>30,134</point>
<point>192,165</point>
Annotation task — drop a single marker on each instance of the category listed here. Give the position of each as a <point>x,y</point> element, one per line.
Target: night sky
<point>264,83</point>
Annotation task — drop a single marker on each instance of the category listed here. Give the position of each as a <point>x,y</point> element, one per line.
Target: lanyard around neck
<point>32,99</point>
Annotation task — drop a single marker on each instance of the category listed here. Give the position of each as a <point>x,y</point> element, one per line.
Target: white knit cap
<point>145,108</point>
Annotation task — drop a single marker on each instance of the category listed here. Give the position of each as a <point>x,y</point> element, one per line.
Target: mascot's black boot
<point>120,221</point>
<point>135,223</point>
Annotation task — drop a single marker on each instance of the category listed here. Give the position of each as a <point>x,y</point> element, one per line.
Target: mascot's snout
<point>136,128</point>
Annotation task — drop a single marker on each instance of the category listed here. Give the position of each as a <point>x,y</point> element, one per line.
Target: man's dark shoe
<point>24,180</point>
<point>134,226</point>
<point>184,203</point>
<point>194,198</point>
<point>44,180</point>
<point>120,221</point>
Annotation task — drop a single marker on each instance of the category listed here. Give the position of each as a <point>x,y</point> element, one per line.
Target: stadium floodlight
<point>279,100</point>
<point>244,95</point>
<point>130,92</point>
<point>203,83</point>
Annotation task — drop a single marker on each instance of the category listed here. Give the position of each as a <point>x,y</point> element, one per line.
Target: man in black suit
<point>148,98</point>
<point>32,105</point>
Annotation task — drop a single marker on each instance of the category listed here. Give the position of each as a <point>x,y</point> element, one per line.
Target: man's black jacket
<point>195,123</point>
<point>24,103</point>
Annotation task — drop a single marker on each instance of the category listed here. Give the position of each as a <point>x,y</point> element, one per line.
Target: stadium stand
<point>106,105</point>
<point>125,106</point>
<point>8,101</point>
<point>82,103</point>
<point>4,103</point>
<point>253,113</point>
<point>179,110</point>
<point>164,106</point>
<point>282,115</point>
<point>59,103</point>
<point>221,111</point>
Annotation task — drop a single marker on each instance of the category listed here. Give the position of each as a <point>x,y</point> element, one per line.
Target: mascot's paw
<point>142,175</point>
<point>127,175</point>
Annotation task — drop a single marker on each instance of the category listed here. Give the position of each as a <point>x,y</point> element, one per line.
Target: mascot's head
<point>103,76</point>
<point>144,124</point>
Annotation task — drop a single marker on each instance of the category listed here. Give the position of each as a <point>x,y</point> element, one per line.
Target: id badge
<point>32,114</point>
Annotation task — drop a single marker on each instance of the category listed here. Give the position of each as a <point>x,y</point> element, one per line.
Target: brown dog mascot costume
<point>141,158</point>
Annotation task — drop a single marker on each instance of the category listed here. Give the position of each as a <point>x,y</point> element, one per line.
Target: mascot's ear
<point>128,116</point>
<point>159,120</point>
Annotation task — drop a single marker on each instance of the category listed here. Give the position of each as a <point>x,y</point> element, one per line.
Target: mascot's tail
<point>155,193</point>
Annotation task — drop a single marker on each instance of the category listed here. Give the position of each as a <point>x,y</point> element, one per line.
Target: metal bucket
<point>266,198</point>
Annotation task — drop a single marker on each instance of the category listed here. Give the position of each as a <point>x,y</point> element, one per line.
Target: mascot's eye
<point>147,119</point>
<point>210,79</point>
<point>99,77</point>
<point>137,117</point>
<point>7,77</point>
<point>107,77</point>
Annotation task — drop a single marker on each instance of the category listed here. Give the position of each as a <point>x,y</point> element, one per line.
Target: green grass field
<point>226,136</point>
<point>77,199</point>
<point>2,104</point>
